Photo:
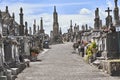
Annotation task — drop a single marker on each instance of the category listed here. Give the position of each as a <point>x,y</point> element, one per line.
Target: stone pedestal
<point>3,77</point>
<point>9,74</point>
<point>21,67</point>
<point>14,71</point>
<point>1,73</point>
<point>112,67</point>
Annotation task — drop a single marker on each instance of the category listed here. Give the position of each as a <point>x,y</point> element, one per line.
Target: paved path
<point>59,63</point>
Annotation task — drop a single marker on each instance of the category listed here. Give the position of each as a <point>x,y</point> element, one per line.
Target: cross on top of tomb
<point>108,10</point>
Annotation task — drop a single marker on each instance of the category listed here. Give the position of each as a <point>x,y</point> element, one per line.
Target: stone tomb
<point>11,54</point>
<point>112,44</point>
<point>112,67</point>
<point>111,53</point>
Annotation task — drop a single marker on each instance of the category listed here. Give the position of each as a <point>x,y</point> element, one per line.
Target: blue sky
<point>80,11</point>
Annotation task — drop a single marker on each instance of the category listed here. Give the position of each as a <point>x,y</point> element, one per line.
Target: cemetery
<point>18,46</point>
<point>99,46</point>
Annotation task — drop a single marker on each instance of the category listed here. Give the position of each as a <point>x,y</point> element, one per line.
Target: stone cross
<point>108,10</point>
<point>109,18</point>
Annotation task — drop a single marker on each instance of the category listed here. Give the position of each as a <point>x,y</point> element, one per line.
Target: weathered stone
<point>112,67</point>
<point>3,77</point>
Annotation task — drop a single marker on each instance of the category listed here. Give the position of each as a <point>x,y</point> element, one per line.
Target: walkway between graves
<point>59,63</point>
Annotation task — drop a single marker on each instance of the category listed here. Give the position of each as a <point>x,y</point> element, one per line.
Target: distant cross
<point>108,10</point>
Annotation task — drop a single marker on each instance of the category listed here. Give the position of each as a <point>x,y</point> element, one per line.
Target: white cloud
<point>109,3</point>
<point>85,11</point>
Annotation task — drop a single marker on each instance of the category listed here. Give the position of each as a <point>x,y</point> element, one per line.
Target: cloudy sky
<point>80,11</point>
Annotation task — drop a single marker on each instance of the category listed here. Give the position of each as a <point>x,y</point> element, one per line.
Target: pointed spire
<point>116,3</point>
<point>21,10</point>
<point>13,15</point>
<point>41,26</point>
<point>86,27</point>
<point>21,16</point>
<point>83,28</point>
<point>35,22</point>
<point>75,24</point>
<point>34,27</point>
<point>54,8</point>
<point>0,14</point>
<point>41,22</point>
<point>26,30</point>
<point>38,28</point>
<point>25,23</point>
<point>30,31</point>
<point>6,9</point>
<point>97,13</point>
<point>70,22</point>
<point>60,31</point>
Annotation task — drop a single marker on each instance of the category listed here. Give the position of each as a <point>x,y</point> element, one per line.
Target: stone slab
<point>112,67</point>
<point>3,77</point>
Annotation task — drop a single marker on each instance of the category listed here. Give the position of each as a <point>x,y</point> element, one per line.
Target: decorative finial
<point>21,10</point>
<point>6,9</point>
<point>26,23</point>
<point>71,22</point>
<point>34,21</point>
<point>115,2</point>
<point>13,15</point>
<point>0,14</point>
<point>54,8</point>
